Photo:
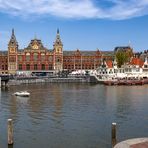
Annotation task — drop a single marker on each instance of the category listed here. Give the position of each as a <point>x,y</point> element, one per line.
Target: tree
<point>121,57</point>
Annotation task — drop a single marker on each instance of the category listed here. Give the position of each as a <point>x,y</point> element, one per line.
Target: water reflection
<point>0,93</point>
<point>58,103</point>
<point>13,107</point>
<point>77,115</point>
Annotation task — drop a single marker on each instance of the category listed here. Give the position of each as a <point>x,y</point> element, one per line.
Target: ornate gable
<point>98,52</point>
<point>77,52</point>
<point>35,44</point>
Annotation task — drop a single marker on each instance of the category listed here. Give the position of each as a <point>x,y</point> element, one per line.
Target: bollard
<point>10,132</point>
<point>114,140</point>
<point>10,146</point>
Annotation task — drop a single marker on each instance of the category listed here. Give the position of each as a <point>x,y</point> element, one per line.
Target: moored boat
<point>22,93</point>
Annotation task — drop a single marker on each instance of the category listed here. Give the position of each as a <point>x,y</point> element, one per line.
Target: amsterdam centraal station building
<point>36,58</point>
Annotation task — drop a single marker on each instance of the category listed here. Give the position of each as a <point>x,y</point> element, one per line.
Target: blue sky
<point>83,24</point>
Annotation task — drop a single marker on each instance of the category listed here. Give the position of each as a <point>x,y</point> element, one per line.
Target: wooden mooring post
<point>113,134</point>
<point>10,132</point>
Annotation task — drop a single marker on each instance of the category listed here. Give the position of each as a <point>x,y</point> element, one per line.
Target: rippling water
<point>73,115</point>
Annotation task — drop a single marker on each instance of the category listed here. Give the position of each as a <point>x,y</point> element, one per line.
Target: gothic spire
<point>58,39</point>
<point>13,38</point>
<point>13,31</point>
<point>58,32</point>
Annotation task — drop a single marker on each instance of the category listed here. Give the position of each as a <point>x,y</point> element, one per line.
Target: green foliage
<point>121,57</point>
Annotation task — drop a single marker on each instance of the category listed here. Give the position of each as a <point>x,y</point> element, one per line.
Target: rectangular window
<point>12,59</point>
<point>27,57</point>
<point>50,67</point>
<point>3,67</point>
<point>50,58</point>
<point>20,58</point>
<point>43,66</point>
<point>28,67</point>
<point>6,67</point>
<point>20,66</point>
<point>35,57</point>
<point>42,57</point>
<point>35,67</point>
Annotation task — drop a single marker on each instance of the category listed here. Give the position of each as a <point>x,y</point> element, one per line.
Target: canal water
<point>73,115</point>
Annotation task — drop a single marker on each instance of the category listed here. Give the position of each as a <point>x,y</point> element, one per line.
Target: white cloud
<point>121,9</point>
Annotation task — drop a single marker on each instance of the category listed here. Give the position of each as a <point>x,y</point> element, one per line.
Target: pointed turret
<point>58,39</point>
<point>58,31</point>
<point>13,39</point>
<point>12,54</point>
<point>58,52</point>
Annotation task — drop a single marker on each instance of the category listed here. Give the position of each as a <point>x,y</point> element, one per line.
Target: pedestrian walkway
<point>133,143</point>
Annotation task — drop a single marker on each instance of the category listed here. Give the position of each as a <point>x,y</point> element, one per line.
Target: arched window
<point>57,59</point>
<point>42,56</point>
<point>28,57</point>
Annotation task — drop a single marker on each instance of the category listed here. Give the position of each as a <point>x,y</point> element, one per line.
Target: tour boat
<point>22,93</point>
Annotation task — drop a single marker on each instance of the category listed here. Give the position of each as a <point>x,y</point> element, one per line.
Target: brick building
<point>3,62</point>
<point>37,58</point>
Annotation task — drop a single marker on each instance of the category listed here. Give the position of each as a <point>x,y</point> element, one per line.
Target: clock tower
<point>12,54</point>
<point>58,53</point>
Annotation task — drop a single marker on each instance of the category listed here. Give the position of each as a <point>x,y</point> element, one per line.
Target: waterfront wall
<point>47,80</point>
<point>93,79</point>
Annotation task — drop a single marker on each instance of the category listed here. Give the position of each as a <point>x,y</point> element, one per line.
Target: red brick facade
<point>37,58</point>
<point>3,63</point>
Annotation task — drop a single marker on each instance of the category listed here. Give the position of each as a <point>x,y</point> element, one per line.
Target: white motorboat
<point>22,93</point>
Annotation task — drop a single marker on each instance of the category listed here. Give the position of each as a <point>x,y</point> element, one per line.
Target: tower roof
<point>58,31</point>
<point>58,39</point>
<point>13,38</point>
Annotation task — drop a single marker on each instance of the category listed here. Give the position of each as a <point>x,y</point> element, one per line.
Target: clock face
<point>35,46</point>
<point>12,50</point>
<point>58,50</point>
